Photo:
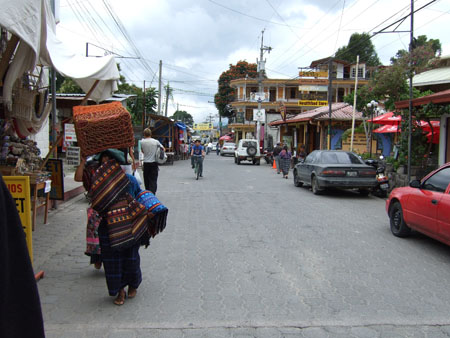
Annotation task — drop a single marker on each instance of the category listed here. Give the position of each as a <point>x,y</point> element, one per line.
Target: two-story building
<point>293,96</point>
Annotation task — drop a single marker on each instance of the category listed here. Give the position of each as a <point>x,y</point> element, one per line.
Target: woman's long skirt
<point>285,164</point>
<point>122,267</point>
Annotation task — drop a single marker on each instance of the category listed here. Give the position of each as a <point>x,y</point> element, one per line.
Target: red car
<point>423,206</point>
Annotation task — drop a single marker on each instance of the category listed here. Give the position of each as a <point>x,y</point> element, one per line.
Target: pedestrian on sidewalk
<point>285,161</point>
<point>149,146</point>
<point>302,153</point>
<point>276,156</point>
<point>20,307</point>
<point>121,264</point>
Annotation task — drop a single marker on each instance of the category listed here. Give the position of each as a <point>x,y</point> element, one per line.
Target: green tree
<point>359,44</point>
<point>225,93</point>
<point>432,45</point>
<point>69,86</point>
<point>136,104</point>
<point>183,116</point>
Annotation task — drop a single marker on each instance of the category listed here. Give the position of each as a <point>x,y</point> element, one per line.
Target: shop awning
<point>180,125</point>
<point>439,97</point>
<point>33,23</point>
<point>340,111</point>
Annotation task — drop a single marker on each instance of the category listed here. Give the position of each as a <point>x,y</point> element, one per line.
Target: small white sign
<point>69,133</point>
<point>262,97</point>
<point>259,115</point>
<point>312,88</point>
<point>73,155</point>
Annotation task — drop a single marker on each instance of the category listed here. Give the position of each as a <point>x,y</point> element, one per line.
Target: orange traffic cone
<point>274,166</point>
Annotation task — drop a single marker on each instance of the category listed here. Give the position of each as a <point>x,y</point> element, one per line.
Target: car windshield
<point>329,157</point>
<point>246,144</point>
<point>229,145</point>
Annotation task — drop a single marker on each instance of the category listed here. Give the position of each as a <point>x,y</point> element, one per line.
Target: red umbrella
<point>388,118</point>
<point>225,138</point>
<point>388,128</point>
<point>435,139</point>
<point>426,127</point>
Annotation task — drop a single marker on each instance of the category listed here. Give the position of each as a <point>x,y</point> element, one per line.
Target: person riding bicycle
<point>198,153</point>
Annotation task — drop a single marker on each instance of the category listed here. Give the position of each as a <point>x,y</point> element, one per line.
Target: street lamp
<point>373,106</point>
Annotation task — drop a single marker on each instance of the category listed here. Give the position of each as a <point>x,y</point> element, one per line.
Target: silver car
<point>228,148</point>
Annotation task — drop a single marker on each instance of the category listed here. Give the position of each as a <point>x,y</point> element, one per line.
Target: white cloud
<point>197,40</point>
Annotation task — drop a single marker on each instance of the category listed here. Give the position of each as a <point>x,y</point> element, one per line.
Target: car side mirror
<point>415,184</point>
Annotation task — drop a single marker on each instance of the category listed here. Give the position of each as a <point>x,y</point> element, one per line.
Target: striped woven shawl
<point>156,211</point>
<point>109,183</point>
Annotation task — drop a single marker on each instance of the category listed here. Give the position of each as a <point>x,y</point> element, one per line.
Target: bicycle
<point>198,165</point>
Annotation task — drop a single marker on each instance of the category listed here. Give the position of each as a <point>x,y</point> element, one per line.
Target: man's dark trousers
<point>151,176</point>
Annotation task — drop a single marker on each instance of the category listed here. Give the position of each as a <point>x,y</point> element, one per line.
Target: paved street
<point>247,254</point>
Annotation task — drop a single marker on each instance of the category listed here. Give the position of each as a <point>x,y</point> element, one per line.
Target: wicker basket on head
<point>103,126</point>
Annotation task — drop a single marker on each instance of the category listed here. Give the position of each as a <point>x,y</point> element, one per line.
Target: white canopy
<point>33,22</point>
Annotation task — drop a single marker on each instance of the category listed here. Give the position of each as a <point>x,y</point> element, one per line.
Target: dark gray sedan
<point>324,169</point>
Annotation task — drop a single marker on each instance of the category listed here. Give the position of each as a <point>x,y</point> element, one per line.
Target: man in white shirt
<point>149,147</point>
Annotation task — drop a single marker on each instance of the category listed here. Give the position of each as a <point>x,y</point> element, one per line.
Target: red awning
<point>439,97</point>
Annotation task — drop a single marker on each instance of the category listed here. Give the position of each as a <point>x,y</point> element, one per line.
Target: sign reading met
<point>19,187</point>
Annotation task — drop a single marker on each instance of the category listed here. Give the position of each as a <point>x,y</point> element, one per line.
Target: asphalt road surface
<point>247,254</point>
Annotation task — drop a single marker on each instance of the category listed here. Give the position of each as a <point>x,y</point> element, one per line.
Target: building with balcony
<point>293,96</point>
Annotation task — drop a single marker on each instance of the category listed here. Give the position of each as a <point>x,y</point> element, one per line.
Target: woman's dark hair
<point>285,148</point>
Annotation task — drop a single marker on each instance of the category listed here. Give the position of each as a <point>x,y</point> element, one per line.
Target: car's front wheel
<point>297,181</point>
<point>398,225</point>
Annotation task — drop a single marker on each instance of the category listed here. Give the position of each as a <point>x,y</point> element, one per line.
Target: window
<point>292,93</point>
<point>438,182</point>
<point>310,158</point>
<point>331,157</point>
<point>360,72</point>
<point>246,144</point>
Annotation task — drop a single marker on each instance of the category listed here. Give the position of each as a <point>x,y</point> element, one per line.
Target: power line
<point>251,16</point>
<point>340,23</point>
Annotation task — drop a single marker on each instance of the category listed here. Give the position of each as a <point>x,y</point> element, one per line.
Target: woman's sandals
<point>120,299</point>
<point>132,292</point>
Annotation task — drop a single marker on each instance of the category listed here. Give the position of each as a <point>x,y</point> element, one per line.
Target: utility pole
<point>261,68</point>
<point>330,98</point>
<point>143,111</point>
<point>410,91</point>
<point>354,103</point>
<point>159,87</point>
<point>167,98</point>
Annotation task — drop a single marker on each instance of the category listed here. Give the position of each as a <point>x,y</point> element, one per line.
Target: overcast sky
<point>198,39</point>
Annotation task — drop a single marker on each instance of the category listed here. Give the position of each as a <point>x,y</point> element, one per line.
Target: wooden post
<point>86,97</point>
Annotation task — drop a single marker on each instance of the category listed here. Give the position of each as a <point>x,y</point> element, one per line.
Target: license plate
<point>352,173</point>
<point>249,158</point>
<point>384,186</point>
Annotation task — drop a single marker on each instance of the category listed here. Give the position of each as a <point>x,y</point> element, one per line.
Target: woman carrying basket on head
<point>121,263</point>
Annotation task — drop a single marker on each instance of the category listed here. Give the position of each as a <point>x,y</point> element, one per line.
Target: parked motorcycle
<point>268,157</point>
<point>382,188</point>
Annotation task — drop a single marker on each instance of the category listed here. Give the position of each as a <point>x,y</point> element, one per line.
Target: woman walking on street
<point>121,264</point>
<point>285,161</point>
